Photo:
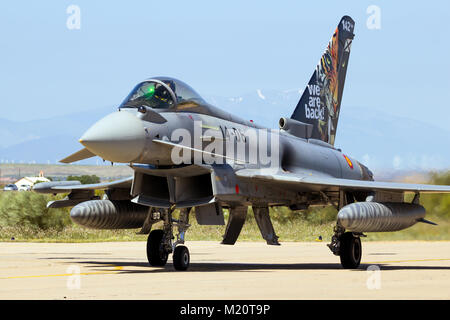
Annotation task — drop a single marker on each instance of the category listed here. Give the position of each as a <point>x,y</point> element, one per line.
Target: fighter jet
<point>188,154</point>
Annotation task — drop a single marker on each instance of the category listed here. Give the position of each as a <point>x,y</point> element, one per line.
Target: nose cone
<point>118,137</point>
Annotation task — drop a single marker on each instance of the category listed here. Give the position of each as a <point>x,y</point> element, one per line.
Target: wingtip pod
<point>320,102</point>
<point>47,187</point>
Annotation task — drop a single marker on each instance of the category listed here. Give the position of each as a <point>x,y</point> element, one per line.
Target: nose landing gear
<point>159,242</point>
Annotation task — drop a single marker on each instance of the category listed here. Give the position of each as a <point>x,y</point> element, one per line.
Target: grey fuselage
<point>162,182</point>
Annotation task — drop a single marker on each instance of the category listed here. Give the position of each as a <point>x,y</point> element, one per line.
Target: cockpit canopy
<point>162,93</point>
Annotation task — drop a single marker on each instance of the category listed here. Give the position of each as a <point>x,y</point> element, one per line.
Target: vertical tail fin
<point>321,100</point>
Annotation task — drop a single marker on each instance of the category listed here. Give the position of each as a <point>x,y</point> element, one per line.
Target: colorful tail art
<point>321,101</point>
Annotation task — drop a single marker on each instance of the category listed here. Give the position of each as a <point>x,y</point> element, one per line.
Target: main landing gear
<point>159,242</point>
<point>347,245</point>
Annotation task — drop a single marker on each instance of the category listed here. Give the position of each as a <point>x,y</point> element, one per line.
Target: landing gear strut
<point>347,245</point>
<point>159,243</point>
<point>181,257</point>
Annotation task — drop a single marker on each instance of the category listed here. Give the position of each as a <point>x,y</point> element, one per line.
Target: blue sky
<point>224,48</point>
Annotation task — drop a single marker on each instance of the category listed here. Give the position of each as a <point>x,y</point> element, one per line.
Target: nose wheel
<point>181,258</point>
<point>160,245</point>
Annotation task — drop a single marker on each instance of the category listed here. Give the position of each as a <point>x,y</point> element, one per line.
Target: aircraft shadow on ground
<point>241,267</point>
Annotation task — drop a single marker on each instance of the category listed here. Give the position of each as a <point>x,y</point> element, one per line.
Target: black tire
<point>181,258</point>
<point>350,251</point>
<point>155,255</point>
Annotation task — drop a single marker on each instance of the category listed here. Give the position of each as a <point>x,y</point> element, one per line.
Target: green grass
<point>419,231</point>
<point>298,229</point>
<point>24,217</point>
<point>294,230</point>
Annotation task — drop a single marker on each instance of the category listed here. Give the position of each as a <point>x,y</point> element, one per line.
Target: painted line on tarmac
<point>116,269</point>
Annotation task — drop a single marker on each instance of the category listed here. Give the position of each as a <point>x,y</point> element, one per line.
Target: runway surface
<point>247,270</point>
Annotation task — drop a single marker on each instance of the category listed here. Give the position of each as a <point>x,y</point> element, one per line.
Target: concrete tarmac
<point>247,270</point>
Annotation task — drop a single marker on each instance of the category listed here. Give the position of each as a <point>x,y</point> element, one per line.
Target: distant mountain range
<point>377,139</point>
<point>45,140</point>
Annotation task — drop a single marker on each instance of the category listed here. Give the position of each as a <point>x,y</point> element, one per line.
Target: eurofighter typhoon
<point>188,154</point>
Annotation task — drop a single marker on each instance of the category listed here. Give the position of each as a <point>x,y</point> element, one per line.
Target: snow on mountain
<point>378,139</point>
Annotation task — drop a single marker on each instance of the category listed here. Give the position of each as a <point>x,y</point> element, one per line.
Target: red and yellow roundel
<point>349,162</point>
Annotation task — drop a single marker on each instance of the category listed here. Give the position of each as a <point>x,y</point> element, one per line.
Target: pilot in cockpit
<point>162,93</point>
<point>152,94</point>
